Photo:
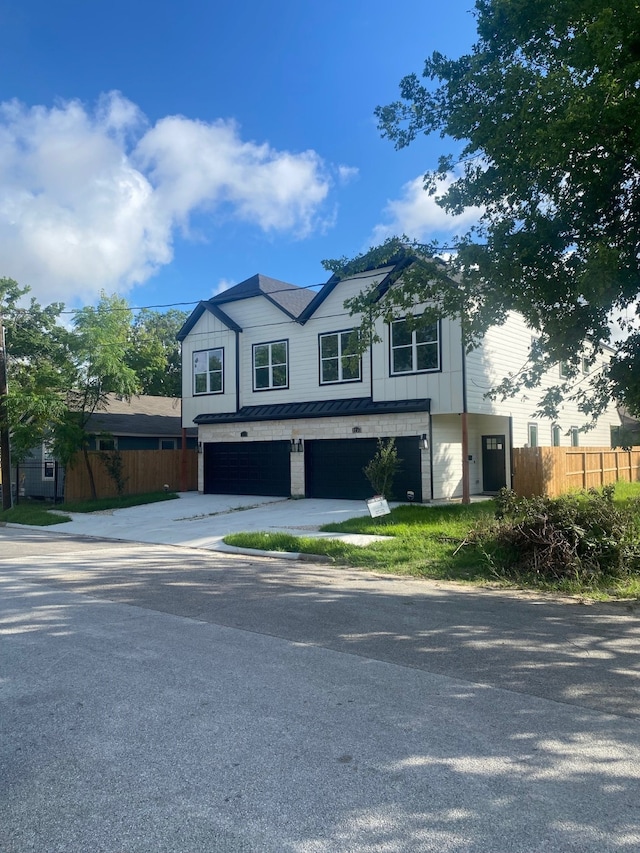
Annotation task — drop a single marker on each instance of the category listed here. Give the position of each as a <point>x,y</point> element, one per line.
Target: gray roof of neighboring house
<point>316,409</point>
<point>139,415</point>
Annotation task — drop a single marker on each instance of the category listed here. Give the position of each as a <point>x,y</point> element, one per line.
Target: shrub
<point>583,536</point>
<point>382,469</point>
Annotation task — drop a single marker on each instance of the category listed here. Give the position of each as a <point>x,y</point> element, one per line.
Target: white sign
<point>378,506</point>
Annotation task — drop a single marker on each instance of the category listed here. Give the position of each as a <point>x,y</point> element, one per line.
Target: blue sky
<point>166,150</point>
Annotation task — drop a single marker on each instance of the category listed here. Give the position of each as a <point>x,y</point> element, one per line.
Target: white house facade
<point>285,405</point>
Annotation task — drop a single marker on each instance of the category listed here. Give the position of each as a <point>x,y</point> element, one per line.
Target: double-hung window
<point>414,350</point>
<point>339,358</point>
<point>208,366</point>
<point>270,366</point>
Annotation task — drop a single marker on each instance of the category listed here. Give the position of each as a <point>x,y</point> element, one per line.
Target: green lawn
<point>425,541</point>
<point>43,514</point>
<point>430,542</point>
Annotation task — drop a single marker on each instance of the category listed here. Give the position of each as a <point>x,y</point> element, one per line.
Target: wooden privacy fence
<point>143,471</point>
<point>554,471</point>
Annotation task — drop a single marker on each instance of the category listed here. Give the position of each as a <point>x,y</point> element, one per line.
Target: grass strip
<point>41,514</point>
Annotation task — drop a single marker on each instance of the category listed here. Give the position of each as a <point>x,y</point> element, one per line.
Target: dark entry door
<point>333,468</point>
<point>494,470</point>
<point>247,468</point>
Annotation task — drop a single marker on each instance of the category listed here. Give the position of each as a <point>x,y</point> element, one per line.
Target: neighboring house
<point>285,407</point>
<point>627,434</point>
<point>138,423</point>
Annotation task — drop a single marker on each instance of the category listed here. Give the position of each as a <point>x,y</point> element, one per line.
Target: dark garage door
<point>247,468</point>
<point>333,468</point>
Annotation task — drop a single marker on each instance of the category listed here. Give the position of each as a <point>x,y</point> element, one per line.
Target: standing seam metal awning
<point>316,409</point>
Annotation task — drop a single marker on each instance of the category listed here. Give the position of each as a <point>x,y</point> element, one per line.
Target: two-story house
<point>285,405</point>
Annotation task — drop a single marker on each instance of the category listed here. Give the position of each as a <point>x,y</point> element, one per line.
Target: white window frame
<point>342,338</point>
<point>574,434</point>
<point>48,462</point>
<point>556,435</point>
<point>415,344</point>
<point>111,443</point>
<point>218,353</point>
<point>270,365</point>
<point>533,435</point>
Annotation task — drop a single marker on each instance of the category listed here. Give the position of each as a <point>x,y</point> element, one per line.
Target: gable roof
<point>198,311</point>
<point>287,297</point>
<point>139,415</point>
<point>367,277</point>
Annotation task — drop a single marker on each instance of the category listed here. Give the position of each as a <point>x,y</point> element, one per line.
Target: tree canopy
<point>544,114</point>
<point>60,375</point>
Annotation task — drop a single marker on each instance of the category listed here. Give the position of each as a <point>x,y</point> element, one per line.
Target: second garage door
<point>333,468</point>
<point>247,468</point>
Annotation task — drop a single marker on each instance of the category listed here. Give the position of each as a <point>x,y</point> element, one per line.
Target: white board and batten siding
<point>504,350</point>
<point>443,387</point>
<point>208,333</point>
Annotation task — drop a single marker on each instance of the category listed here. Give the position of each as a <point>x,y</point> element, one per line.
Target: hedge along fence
<point>554,471</point>
<point>142,470</point>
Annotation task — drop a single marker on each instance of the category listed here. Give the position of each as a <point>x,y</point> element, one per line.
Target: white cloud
<point>91,199</point>
<point>222,285</point>
<point>348,173</point>
<point>417,214</point>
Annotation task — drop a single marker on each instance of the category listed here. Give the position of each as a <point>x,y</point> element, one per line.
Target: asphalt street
<point>165,699</point>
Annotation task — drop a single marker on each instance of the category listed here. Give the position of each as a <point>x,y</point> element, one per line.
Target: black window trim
<point>193,373</point>
<point>284,341</point>
<point>335,381</point>
<point>438,369</point>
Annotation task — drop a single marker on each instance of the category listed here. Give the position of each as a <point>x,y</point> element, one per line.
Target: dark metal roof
<point>316,409</point>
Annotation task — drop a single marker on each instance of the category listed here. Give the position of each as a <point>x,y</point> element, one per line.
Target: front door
<point>494,471</point>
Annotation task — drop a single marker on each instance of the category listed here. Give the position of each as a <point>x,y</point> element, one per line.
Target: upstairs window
<point>270,366</point>
<point>207,371</point>
<point>414,350</point>
<point>339,359</point>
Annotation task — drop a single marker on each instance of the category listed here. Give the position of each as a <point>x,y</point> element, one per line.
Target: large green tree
<point>39,366</point>
<point>154,352</point>
<point>543,115</point>
<point>100,340</point>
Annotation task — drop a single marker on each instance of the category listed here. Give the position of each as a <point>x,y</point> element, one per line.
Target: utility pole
<point>5,452</point>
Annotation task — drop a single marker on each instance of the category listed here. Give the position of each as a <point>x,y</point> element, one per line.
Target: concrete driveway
<point>201,521</point>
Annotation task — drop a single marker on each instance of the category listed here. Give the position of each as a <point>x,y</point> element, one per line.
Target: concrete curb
<point>282,555</point>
